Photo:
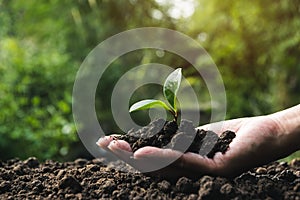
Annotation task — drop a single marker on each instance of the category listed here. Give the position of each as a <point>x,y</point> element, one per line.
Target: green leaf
<point>171,87</point>
<point>148,103</point>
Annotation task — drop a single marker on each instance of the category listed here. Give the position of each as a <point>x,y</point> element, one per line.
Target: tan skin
<point>258,141</point>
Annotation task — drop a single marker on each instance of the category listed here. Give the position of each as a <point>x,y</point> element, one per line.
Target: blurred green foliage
<point>255,44</point>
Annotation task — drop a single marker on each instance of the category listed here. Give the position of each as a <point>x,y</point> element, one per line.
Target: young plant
<point>170,90</point>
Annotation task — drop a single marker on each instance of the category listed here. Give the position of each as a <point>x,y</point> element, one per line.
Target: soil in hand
<point>185,138</point>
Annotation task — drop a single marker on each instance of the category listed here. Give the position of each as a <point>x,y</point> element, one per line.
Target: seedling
<point>170,90</point>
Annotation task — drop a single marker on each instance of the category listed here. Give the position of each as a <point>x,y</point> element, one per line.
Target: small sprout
<point>170,90</point>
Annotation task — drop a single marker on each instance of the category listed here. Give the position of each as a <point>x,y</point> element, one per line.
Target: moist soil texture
<point>185,138</point>
<point>91,179</point>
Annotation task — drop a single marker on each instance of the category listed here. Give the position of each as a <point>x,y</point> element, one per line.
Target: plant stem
<point>175,116</point>
<point>174,113</point>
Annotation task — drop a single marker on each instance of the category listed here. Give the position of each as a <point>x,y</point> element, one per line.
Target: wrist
<point>287,123</point>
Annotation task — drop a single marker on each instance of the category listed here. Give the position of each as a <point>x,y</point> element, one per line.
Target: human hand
<point>256,143</point>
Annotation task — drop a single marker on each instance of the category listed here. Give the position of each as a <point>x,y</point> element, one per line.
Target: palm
<point>250,148</point>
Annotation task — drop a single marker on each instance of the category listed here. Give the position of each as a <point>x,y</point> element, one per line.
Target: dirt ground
<point>91,179</point>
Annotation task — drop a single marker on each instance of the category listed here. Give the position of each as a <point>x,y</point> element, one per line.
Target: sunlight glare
<point>179,8</point>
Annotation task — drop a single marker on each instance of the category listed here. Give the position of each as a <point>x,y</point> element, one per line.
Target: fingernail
<point>102,141</point>
<point>113,145</point>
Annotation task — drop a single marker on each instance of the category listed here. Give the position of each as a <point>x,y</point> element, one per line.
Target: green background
<point>255,44</point>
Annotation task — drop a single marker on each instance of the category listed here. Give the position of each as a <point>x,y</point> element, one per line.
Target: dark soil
<point>185,138</point>
<point>83,179</point>
<point>92,179</point>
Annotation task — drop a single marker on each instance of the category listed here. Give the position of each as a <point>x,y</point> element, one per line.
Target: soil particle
<point>296,163</point>
<point>192,197</point>
<point>69,182</point>
<point>164,186</point>
<point>61,174</point>
<point>80,161</point>
<point>18,170</point>
<point>226,189</point>
<point>205,179</point>
<point>297,188</point>
<point>180,142</point>
<point>206,191</point>
<point>287,175</point>
<point>5,186</point>
<point>185,185</point>
<point>261,170</point>
<point>31,162</point>
<point>222,143</point>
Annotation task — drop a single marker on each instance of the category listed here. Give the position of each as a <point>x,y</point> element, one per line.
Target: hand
<point>256,143</point>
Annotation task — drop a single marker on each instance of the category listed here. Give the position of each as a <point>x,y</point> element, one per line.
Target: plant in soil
<point>168,134</point>
<point>170,90</point>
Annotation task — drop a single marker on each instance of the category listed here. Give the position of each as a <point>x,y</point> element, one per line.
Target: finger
<point>120,144</point>
<point>174,163</point>
<point>154,152</point>
<point>120,150</point>
<point>104,141</point>
<point>170,164</point>
<point>149,158</point>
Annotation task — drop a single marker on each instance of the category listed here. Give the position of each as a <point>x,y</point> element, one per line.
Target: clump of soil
<point>91,179</point>
<point>185,138</point>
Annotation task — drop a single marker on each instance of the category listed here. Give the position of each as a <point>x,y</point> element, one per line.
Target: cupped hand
<point>256,143</point>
